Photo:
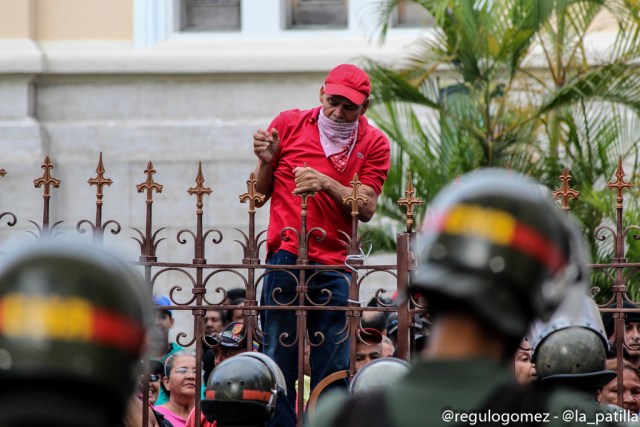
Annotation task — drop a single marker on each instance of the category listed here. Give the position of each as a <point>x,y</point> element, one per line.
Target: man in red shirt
<point>316,150</point>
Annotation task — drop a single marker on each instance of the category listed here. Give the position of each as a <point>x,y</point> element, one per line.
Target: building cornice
<point>198,56</point>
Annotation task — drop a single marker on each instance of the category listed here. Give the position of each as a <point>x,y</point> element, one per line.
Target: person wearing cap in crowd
<point>369,347</point>
<point>231,342</point>
<point>316,151</point>
<point>218,347</point>
<point>631,342</point>
<point>73,324</point>
<point>161,347</point>
<point>495,254</point>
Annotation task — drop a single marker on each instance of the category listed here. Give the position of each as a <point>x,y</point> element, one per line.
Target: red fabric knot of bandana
<point>340,158</point>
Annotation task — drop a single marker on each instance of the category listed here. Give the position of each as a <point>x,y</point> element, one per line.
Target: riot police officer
<point>495,254</point>
<point>73,323</point>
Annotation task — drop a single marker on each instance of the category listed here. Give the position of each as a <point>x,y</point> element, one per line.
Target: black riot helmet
<point>281,383</point>
<point>496,244</point>
<point>73,323</point>
<point>242,390</point>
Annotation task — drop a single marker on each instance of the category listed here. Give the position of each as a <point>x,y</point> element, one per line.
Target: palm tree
<point>511,83</point>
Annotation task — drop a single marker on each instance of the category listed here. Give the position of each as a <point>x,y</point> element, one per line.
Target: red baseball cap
<point>349,81</point>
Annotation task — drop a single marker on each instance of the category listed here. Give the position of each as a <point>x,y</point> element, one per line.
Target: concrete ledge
<point>20,56</point>
<point>197,56</point>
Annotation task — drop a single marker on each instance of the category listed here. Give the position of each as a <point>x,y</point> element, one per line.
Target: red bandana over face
<point>337,140</point>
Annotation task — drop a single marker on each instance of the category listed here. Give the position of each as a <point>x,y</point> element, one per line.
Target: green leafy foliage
<point>515,84</point>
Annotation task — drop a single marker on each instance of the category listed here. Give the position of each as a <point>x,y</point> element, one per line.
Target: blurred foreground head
<point>496,246</point>
<point>73,320</point>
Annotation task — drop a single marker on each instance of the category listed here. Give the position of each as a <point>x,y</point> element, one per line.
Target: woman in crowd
<point>525,371</point>
<point>179,381</point>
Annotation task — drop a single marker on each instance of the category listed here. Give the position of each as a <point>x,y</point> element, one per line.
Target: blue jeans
<point>325,359</point>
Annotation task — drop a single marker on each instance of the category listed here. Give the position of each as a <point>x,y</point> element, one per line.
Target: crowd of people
<point>172,371</point>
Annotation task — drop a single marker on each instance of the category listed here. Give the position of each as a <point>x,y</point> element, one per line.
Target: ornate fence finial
<point>100,181</point>
<point>252,195</point>
<point>620,184</point>
<point>565,192</point>
<point>98,227</point>
<point>355,198</point>
<point>46,179</point>
<point>409,201</point>
<point>199,190</point>
<point>147,241</point>
<point>149,185</point>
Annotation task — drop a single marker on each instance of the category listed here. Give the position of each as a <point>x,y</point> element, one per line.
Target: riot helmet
<point>377,374</point>
<point>73,322</point>
<point>575,356</point>
<point>572,346</point>
<point>273,367</point>
<point>579,312</point>
<point>495,243</point>
<point>242,390</point>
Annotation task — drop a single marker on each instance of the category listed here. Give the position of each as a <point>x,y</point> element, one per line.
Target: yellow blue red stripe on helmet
<point>500,228</point>
<point>67,318</point>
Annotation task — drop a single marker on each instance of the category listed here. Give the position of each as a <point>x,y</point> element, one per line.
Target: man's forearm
<point>338,191</point>
<point>264,175</point>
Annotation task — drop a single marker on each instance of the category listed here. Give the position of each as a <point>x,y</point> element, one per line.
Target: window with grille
<point>317,14</point>
<point>210,15</point>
